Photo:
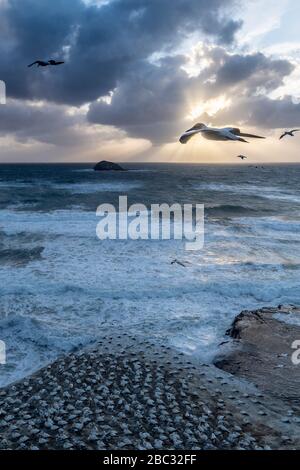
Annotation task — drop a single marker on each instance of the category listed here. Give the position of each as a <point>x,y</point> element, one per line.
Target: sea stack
<point>108,166</point>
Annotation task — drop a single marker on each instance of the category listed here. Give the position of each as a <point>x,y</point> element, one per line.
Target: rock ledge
<point>262,350</point>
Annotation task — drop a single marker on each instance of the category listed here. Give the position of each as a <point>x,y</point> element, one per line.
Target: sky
<point>138,73</point>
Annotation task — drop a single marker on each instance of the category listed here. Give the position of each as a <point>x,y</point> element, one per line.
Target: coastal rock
<point>108,166</point>
<point>262,351</point>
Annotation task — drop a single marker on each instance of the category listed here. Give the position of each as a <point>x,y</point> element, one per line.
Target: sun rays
<point>209,107</point>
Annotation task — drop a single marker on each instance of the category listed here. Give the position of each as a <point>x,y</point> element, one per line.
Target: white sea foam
<point>289,319</point>
<point>83,287</point>
<point>267,192</point>
<point>79,188</point>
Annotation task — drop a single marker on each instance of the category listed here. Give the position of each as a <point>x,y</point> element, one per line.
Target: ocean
<point>63,288</point>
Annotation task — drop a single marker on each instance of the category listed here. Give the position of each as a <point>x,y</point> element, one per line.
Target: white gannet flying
<point>291,133</point>
<point>214,133</point>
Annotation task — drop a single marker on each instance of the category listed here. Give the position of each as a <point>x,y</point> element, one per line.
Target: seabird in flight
<point>214,133</point>
<point>175,261</point>
<point>242,157</point>
<point>41,63</point>
<point>291,133</point>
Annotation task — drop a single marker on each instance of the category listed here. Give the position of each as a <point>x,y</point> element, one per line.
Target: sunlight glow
<point>210,107</point>
<point>197,59</point>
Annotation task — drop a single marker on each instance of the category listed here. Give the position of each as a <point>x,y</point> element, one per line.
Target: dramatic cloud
<point>252,71</point>
<point>100,44</point>
<point>262,111</point>
<point>153,101</point>
<point>136,71</point>
<point>36,131</point>
<point>148,103</point>
<point>43,122</point>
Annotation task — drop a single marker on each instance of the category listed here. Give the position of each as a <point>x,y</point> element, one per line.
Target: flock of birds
<point>211,133</point>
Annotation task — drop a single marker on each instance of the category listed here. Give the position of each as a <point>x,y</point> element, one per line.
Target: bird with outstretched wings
<point>290,133</point>
<point>42,63</point>
<point>214,133</point>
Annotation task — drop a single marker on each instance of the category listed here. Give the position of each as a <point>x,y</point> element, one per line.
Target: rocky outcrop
<point>108,166</point>
<point>262,351</point>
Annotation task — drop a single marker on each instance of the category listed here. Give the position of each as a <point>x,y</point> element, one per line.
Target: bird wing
<point>282,136</point>
<point>186,137</point>
<point>236,131</point>
<point>33,63</point>
<point>244,134</point>
<point>295,130</point>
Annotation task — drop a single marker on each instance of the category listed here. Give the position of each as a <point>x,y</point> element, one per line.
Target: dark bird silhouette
<point>290,133</point>
<point>39,63</point>
<point>175,261</point>
<point>242,157</point>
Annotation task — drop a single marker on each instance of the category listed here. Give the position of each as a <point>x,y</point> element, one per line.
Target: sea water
<point>62,288</point>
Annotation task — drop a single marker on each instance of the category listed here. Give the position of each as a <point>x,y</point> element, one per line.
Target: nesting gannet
<point>291,133</point>
<point>214,133</point>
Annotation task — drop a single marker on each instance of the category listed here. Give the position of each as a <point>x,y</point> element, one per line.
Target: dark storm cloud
<point>100,44</point>
<point>31,30</point>
<point>47,123</point>
<point>149,102</point>
<point>261,111</point>
<point>255,70</point>
<point>112,49</point>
